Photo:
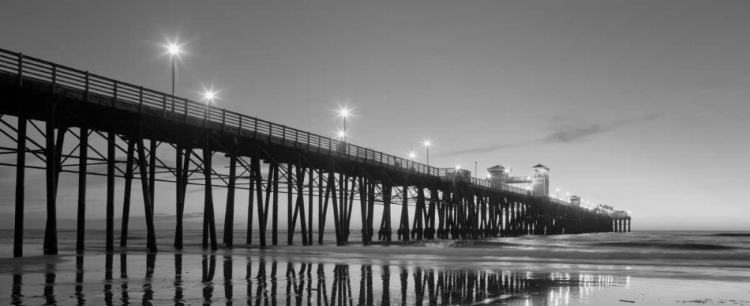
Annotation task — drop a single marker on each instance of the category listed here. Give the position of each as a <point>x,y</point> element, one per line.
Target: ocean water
<point>646,268</point>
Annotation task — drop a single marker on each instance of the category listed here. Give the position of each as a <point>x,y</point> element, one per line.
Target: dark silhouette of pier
<point>267,160</point>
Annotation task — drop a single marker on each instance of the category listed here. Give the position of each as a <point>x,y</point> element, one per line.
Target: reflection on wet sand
<point>124,298</point>
<point>80,300</point>
<point>16,293</point>
<point>272,281</point>
<point>178,295</point>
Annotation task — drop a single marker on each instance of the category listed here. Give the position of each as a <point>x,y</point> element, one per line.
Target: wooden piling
<point>183,165</point>
<point>152,173</point>
<point>229,214</point>
<point>209,225</point>
<point>431,213</point>
<point>50,234</point>
<point>289,196</point>
<point>262,213</point>
<point>301,203</point>
<point>336,220</point>
<point>370,210</point>
<point>343,185</point>
<point>147,201</point>
<point>127,192</point>
<point>110,191</point>
<point>20,187</point>
<point>363,208</point>
<point>83,150</point>
<point>178,197</point>
<point>350,207</point>
<point>322,207</point>
<point>250,205</point>
<point>310,183</point>
<point>404,225</point>
<point>420,213</point>
<point>275,216</point>
<point>387,228</point>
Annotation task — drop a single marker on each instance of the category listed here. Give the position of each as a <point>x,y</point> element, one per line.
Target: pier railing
<point>90,84</point>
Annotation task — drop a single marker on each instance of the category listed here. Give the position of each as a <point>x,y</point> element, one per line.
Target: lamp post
<point>427,144</point>
<point>557,193</point>
<point>174,50</point>
<point>344,113</point>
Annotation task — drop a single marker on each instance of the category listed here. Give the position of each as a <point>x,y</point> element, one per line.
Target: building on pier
<point>540,181</point>
<point>575,201</point>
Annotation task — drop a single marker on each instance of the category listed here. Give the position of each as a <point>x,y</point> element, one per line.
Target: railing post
<point>114,94</point>
<point>223,119</point>
<point>206,114</point>
<point>283,134</point>
<point>86,86</point>
<point>296,137</point>
<point>240,132</point>
<point>186,110</point>
<point>308,141</point>
<point>164,106</point>
<point>140,100</point>
<point>54,77</point>
<point>20,69</point>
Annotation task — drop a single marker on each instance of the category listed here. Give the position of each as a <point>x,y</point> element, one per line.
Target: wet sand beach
<point>516,271</point>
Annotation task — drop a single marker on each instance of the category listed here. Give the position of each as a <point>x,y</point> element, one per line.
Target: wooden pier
<point>108,119</point>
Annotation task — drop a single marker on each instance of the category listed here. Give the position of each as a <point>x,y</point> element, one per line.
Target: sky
<point>641,105</point>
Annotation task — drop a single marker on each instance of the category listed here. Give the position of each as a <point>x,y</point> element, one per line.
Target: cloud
<point>561,132</point>
<point>571,133</point>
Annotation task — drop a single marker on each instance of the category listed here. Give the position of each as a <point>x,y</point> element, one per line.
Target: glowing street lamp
<point>427,143</point>
<point>344,113</point>
<point>412,155</point>
<point>174,50</point>
<point>209,95</point>
<point>341,134</point>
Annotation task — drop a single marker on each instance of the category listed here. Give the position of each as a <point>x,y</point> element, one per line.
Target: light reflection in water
<point>190,279</point>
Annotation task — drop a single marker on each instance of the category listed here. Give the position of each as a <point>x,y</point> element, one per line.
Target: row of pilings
<point>315,188</point>
<point>621,225</point>
<point>88,137</point>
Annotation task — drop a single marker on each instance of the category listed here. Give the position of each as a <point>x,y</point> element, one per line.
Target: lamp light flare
<point>458,167</point>
<point>174,48</point>
<point>341,134</point>
<point>427,143</point>
<point>344,112</point>
<point>412,155</point>
<point>209,95</point>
